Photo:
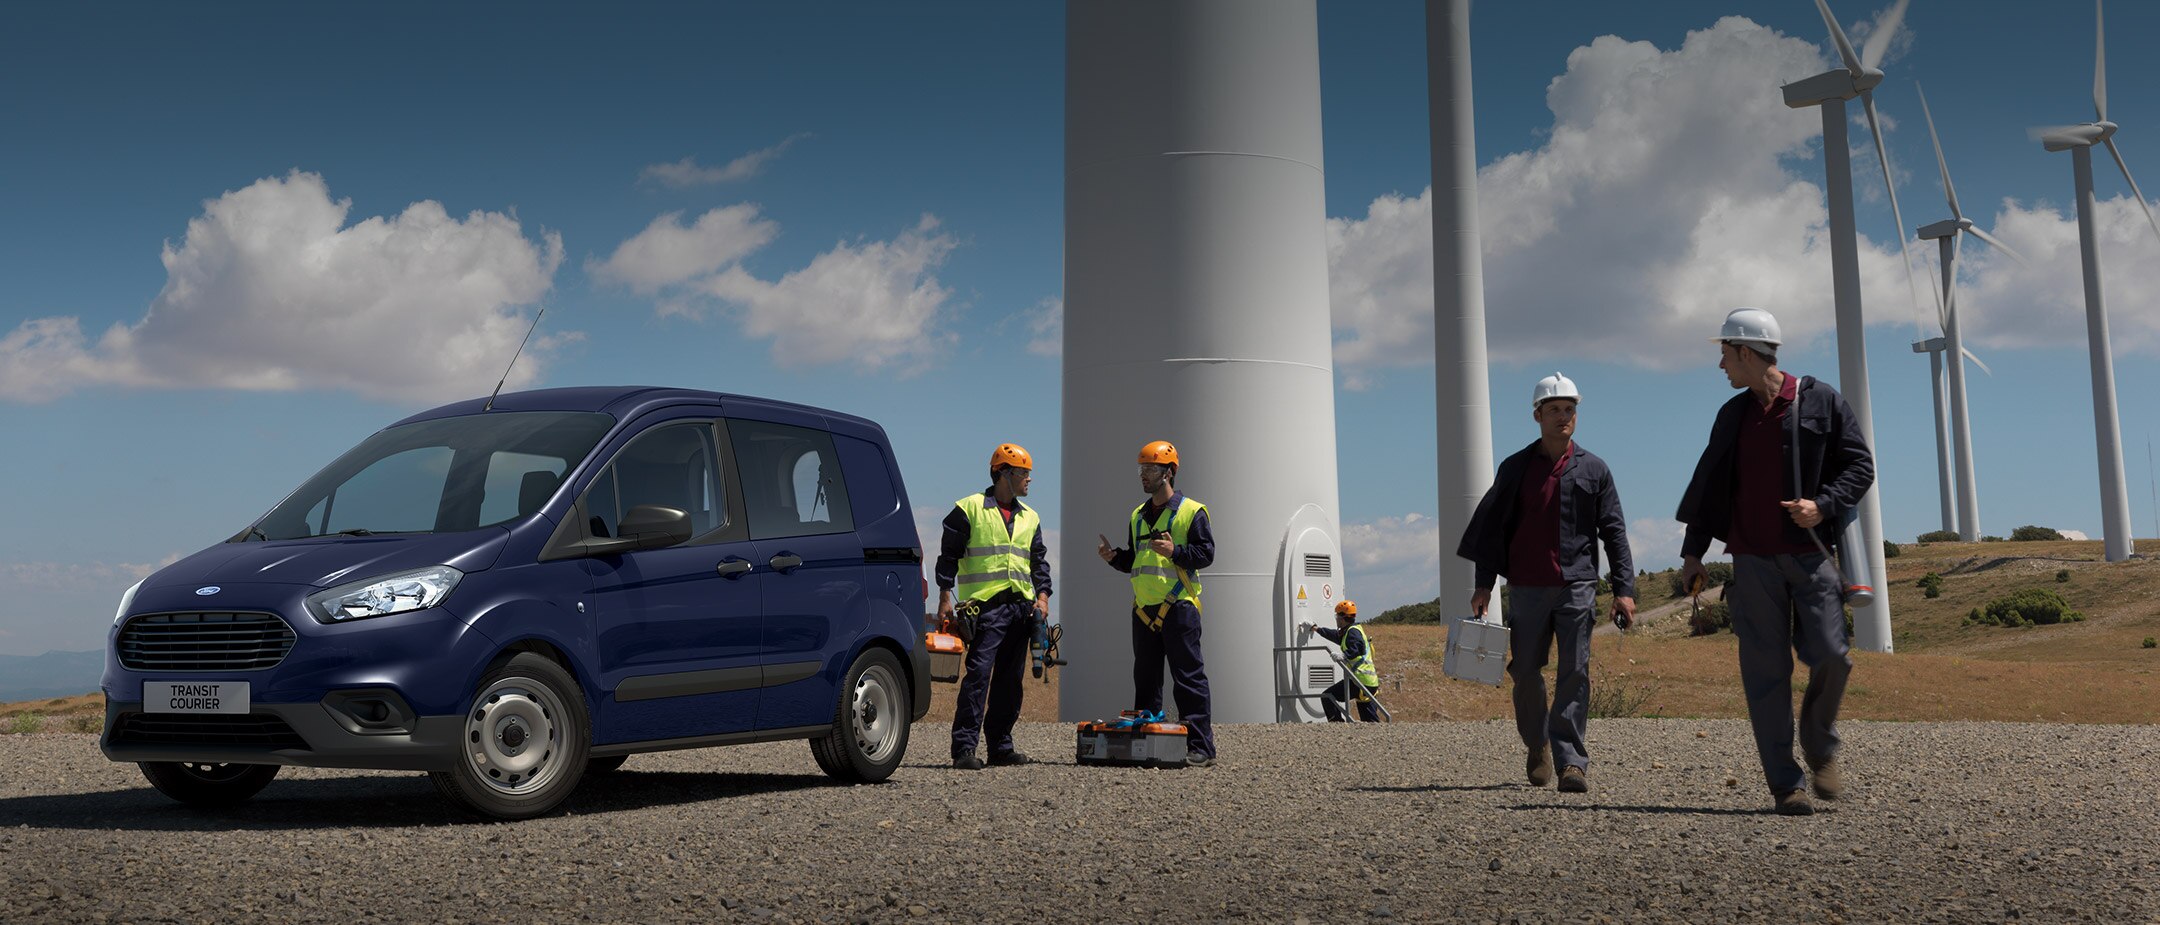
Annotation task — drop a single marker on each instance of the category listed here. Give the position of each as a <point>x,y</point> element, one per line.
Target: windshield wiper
<point>256,533</point>
<point>356,531</point>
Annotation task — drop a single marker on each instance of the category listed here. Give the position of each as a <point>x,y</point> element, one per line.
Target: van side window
<point>675,465</point>
<point>791,480</point>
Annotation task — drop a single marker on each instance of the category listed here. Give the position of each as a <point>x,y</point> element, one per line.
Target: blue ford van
<point>511,594</point>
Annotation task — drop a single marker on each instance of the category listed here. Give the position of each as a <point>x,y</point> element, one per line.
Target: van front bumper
<point>323,734</point>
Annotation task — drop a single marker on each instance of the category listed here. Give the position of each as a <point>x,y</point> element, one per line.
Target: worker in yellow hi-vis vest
<point>993,559</point>
<point>1171,543</point>
<point>1357,653</point>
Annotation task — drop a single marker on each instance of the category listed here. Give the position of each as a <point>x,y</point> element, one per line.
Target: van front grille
<point>254,730</point>
<point>204,642</point>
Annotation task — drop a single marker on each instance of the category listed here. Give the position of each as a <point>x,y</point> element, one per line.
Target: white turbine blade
<point>1997,244</point>
<point>2134,191</point>
<point>2099,63</point>
<point>1882,156</point>
<point>1949,190</point>
<point>1878,42</point>
<point>1837,35</point>
<point>1976,361</point>
<point>2040,132</point>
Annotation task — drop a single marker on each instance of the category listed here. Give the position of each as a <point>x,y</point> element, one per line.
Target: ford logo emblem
<point>205,592</point>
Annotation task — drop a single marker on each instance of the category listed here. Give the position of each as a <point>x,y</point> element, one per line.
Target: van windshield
<point>442,476</point>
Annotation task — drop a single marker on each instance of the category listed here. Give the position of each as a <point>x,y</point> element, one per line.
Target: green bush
<point>1931,583</point>
<point>1428,612</point>
<point>2062,576</point>
<point>2029,533</point>
<point>1714,616</point>
<point>2152,643</point>
<point>1991,539</point>
<point>1937,536</point>
<point>1890,550</point>
<point>1720,574</point>
<point>2030,607</point>
<point>86,722</point>
<point>24,723</point>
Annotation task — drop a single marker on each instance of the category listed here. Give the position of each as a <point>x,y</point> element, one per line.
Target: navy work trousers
<point>994,661</point>
<point>1537,618</point>
<point>1178,643</point>
<point>1782,604</point>
<point>1333,702</point>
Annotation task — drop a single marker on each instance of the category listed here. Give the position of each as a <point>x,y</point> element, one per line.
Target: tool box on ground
<point>1134,738</point>
<point>1476,651</point>
<point>947,654</point>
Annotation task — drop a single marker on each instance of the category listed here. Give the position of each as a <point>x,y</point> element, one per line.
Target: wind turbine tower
<point>1933,347</point>
<point>2079,141</point>
<point>1829,91</point>
<point>1946,235</point>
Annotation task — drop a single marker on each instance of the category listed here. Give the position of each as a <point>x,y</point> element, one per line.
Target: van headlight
<point>402,592</point>
<point>127,598</point>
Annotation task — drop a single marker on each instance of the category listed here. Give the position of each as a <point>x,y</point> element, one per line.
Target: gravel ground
<point>1408,822</point>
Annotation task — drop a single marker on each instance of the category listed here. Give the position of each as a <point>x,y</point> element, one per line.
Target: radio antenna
<point>490,406</point>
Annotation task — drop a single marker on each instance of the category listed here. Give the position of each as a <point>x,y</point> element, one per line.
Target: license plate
<point>195,697</point>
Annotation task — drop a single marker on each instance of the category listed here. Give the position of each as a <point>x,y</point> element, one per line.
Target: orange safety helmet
<point>1347,608</point>
<point>1160,453</point>
<point>1011,454</point>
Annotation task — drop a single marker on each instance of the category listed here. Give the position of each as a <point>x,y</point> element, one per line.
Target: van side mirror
<point>652,526</point>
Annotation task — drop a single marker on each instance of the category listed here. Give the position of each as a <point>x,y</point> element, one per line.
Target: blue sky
<point>239,238</point>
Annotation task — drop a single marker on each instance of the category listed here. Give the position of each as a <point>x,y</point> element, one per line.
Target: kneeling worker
<point>992,552</point>
<point>1550,505</point>
<point>1357,651</point>
<point>1170,542</point>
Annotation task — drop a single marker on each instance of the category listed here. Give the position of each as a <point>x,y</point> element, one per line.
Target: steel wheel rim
<point>513,736</point>
<point>874,713</point>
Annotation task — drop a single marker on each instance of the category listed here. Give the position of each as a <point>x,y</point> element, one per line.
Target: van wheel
<point>604,765</point>
<point>525,741</point>
<point>199,783</point>
<point>870,723</point>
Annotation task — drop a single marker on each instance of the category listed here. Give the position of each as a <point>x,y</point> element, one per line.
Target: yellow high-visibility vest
<point>1156,579</point>
<point>1362,666</point>
<point>997,559</point>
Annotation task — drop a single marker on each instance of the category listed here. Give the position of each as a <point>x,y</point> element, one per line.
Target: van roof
<point>624,402</point>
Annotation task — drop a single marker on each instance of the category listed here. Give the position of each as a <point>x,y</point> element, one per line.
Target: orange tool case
<point>1134,738</point>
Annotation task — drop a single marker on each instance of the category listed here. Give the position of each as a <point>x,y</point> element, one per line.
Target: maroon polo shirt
<point>1764,479</point>
<point>1534,552</point>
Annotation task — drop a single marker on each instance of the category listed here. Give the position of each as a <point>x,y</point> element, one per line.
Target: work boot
<point>967,763</point>
<point>1828,778</point>
<point>1010,758</point>
<point>1198,759</point>
<point>1573,780</point>
<point>1794,803</point>
<point>1538,766</point>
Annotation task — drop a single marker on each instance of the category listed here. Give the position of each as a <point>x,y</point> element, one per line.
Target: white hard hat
<point>1554,386</point>
<point>1750,325</point>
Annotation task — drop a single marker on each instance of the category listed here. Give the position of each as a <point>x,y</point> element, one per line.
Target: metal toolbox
<point>1476,651</point>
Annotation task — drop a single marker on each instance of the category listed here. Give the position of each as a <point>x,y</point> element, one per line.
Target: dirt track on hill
<point>1943,822</point>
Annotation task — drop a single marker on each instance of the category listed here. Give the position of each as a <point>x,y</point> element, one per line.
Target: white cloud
<point>686,172</point>
<point>1654,543</point>
<point>868,304</point>
<point>1046,327</point>
<point>2042,304</point>
<point>667,253</point>
<point>1660,200</point>
<point>1393,561</point>
<point>271,290</point>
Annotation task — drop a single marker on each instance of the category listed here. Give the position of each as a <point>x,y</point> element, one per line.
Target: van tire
<point>870,721</point>
<point>199,783</point>
<point>525,741</point>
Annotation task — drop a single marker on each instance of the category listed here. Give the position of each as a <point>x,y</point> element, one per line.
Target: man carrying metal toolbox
<point>1785,459</point>
<point>992,556</point>
<point>1171,543</point>
<point>1550,505</point>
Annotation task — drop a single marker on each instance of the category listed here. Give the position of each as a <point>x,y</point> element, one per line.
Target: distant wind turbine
<point>2107,428</point>
<point>1829,91</point>
<point>1947,235</point>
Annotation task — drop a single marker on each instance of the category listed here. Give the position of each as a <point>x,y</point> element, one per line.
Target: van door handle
<point>785,562</point>
<point>732,568</point>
